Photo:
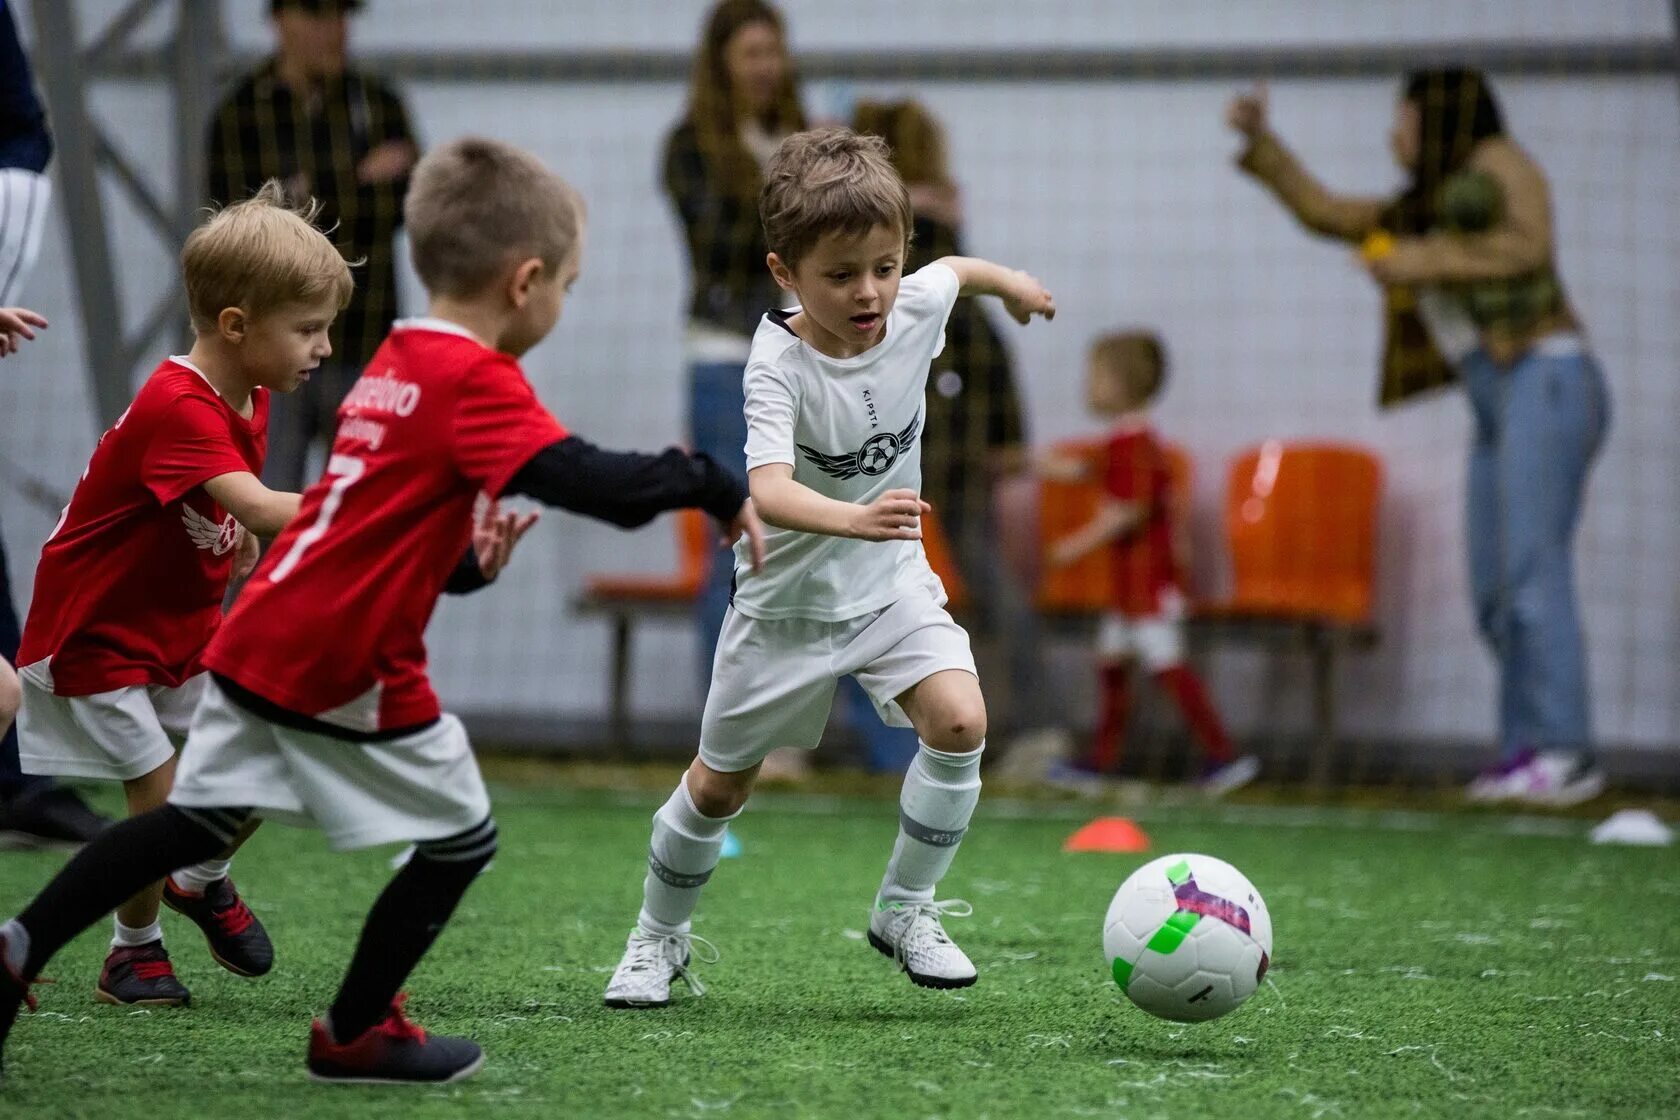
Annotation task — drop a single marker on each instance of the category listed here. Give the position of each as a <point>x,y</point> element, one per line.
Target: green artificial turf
<point>1424,966</point>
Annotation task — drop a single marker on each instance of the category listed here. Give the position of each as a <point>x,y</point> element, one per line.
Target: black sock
<point>107,872</point>
<point>405,921</point>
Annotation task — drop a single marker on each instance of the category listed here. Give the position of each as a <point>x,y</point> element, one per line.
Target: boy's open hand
<point>15,327</point>
<point>1026,297</point>
<point>494,535</point>
<point>894,516</point>
<point>248,552</point>
<point>1246,114</point>
<point>745,523</point>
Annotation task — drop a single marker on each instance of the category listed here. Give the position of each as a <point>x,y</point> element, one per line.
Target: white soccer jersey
<point>851,429</point>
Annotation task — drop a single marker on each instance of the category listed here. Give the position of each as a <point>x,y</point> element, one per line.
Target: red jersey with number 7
<point>332,624</point>
<point>130,585</point>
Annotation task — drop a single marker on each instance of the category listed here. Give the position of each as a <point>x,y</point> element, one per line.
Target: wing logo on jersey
<point>876,456</point>
<point>205,533</point>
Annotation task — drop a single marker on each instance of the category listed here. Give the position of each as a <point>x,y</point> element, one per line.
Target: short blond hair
<point>260,255</point>
<point>476,206</point>
<point>1119,352</point>
<point>829,180</point>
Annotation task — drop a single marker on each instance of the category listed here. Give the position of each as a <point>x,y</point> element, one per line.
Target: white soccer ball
<point>1188,937</point>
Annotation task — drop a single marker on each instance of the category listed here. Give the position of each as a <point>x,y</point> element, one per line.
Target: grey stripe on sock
<point>457,855</point>
<point>933,837</point>
<point>471,838</point>
<point>675,878</point>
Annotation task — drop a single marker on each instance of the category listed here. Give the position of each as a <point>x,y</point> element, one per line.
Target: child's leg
<point>115,866</point>
<point>1188,692</point>
<point>687,842</point>
<point>137,918</point>
<point>942,785</point>
<point>1114,702</point>
<point>407,918</point>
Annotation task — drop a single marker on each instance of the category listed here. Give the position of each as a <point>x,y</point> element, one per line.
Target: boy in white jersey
<point>834,404</point>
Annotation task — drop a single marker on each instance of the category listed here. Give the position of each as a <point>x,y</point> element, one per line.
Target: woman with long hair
<point>743,100</point>
<point>1466,258</point>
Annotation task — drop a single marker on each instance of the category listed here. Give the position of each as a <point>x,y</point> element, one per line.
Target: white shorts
<point>424,786</point>
<point>24,196</point>
<point>773,680</point>
<point>118,735</point>
<point>1155,642</point>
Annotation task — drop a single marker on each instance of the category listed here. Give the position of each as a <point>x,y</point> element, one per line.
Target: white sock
<point>939,795</point>
<point>128,937</point>
<point>685,848</point>
<point>17,946</point>
<point>194,879</point>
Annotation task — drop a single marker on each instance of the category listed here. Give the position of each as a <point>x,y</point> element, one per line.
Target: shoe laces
<point>649,951</point>
<point>398,1025</point>
<point>922,928</point>
<point>234,919</point>
<point>153,969</point>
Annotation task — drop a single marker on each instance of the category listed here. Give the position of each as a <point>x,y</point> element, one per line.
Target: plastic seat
<point>1301,522</point>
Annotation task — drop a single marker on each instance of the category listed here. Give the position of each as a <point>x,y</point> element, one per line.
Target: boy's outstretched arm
<point>628,488</point>
<point>262,511</point>
<point>1022,295</point>
<point>1113,521</point>
<point>894,516</point>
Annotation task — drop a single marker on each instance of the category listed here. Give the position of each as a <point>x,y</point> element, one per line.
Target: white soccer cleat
<point>651,961</point>
<point>910,933</point>
<point>1232,776</point>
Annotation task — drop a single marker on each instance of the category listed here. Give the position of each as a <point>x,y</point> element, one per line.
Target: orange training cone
<point>1108,834</point>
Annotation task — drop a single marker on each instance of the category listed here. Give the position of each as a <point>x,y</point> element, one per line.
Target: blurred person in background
<point>974,436</point>
<point>1139,523</point>
<point>1467,261</point>
<point>311,120</point>
<point>743,99</point>
<point>34,810</point>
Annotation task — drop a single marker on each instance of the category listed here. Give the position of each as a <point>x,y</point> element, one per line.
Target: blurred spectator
<point>1467,261</point>
<point>33,810</point>
<point>742,101</point>
<point>973,435</point>
<point>1140,526</point>
<point>326,130</point>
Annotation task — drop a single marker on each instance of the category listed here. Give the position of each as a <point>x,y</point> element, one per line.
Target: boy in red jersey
<point>1125,372</point>
<point>319,709</point>
<point>130,584</point>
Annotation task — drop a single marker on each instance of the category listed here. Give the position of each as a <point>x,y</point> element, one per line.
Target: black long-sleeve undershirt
<point>627,488</point>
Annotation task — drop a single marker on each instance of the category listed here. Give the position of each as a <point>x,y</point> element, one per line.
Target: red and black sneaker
<point>14,995</point>
<point>141,976</point>
<point>237,940</point>
<point>396,1051</point>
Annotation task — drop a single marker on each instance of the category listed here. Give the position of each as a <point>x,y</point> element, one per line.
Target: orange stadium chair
<point>943,562</point>
<point>1301,524</point>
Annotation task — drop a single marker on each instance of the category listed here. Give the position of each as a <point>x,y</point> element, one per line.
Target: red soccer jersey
<point>130,585</point>
<point>1144,568</point>
<point>332,624</point>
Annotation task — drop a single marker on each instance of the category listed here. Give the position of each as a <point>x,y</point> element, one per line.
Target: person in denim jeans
<point>743,99</point>
<point>1467,260</point>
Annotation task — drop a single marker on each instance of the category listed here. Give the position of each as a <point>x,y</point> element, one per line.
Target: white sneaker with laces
<point>651,961</point>
<point>911,934</point>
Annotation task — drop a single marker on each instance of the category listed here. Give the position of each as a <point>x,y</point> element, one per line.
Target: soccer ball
<point>1188,937</point>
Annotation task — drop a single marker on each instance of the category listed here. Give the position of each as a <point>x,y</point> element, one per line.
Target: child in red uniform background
<point>1137,523</point>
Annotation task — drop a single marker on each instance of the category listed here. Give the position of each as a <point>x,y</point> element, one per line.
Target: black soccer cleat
<point>141,976</point>
<point>237,939</point>
<point>53,816</point>
<point>395,1051</point>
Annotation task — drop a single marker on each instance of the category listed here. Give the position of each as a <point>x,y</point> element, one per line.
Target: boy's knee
<point>716,794</point>
<point>958,730</point>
